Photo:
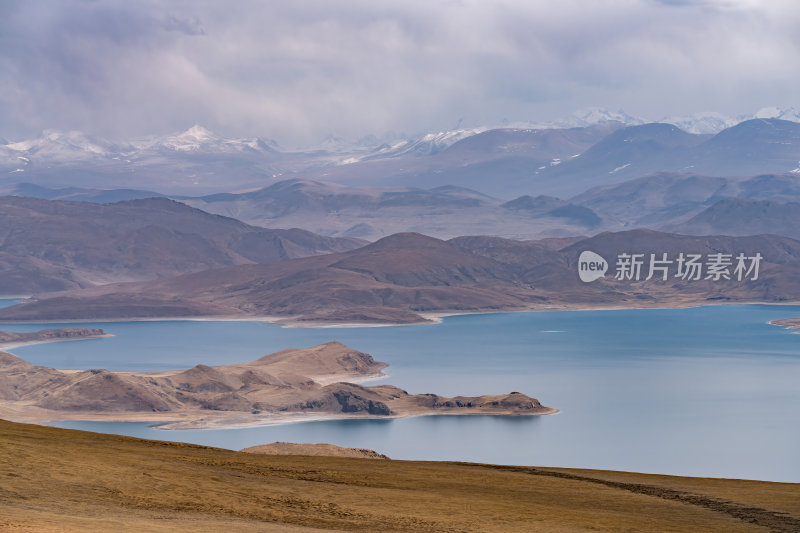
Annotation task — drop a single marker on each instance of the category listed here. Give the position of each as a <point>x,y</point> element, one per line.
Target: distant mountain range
<point>665,198</point>
<point>756,146</point>
<point>661,201</point>
<point>375,212</point>
<point>54,245</point>
<point>592,148</point>
<point>740,216</point>
<point>399,278</point>
<point>138,212</point>
<point>195,160</point>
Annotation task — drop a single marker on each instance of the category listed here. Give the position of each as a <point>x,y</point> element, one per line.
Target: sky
<point>300,71</point>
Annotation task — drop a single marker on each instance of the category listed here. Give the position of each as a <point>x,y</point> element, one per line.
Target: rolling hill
<point>55,480</point>
<point>52,245</point>
<point>404,276</point>
<point>741,216</point>
<point>758,146</point>
<point>375,212</point>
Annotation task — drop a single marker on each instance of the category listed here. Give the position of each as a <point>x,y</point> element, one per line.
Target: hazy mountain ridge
<point>659,201</point>
<point>757,146</point>
<point>744,216</point>
<point>375,212</point>
<point>501,161</point>
<point>664,200</point>
<point>399,277</point>
<point>50,245</point>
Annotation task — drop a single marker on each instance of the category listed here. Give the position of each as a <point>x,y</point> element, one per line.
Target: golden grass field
<point>62,480</point>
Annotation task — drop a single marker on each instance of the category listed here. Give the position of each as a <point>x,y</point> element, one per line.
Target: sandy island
<point>14,339</point>
<point>289,386</point>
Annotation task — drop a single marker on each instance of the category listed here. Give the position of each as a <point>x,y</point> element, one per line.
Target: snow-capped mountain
<point>428,144</point>
<point>196,159</point>
<point>711,123</point>
<point>702,123</point>
<point>589,116</point>
<point>199,139</point>
<point>59,146</point>
<point>705,122</point>
<point>790,113</point>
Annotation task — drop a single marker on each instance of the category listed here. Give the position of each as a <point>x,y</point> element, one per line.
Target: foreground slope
<point>64,480</point>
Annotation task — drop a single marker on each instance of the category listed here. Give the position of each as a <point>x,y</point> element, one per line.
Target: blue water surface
<point>710,391</point>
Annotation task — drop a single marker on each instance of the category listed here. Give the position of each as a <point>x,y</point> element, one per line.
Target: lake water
<point>712,391</point>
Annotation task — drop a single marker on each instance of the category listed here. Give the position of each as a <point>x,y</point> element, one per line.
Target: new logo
<point>591,266</point>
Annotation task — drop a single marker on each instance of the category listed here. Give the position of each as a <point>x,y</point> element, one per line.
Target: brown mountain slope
<point>54,245</point>
<point>74,481</point>
<point>399,277</point>
<point>740,216</point>
<point>292,383</point>
<point>374,212</point>
<point>387,281</point>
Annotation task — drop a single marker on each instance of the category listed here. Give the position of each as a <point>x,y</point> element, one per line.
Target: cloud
<point>297,72</point>
<point>189,26</point>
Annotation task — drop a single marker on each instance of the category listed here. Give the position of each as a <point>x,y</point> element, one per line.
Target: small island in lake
<point>295,384</point>
<point>15,338</point>
<point>788,323</point>
<point>315,450</point>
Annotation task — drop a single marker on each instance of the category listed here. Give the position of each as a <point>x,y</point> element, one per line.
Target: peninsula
<point>297,384</point>
<point>9,339</point>
<point>788,323</point>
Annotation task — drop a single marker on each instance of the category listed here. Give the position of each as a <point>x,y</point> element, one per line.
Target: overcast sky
<point>297,71</point>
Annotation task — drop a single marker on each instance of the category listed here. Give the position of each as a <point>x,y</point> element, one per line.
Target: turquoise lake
<point>711,391</point>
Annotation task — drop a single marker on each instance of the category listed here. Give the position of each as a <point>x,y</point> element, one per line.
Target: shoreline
<point>429,318</point>
<point>179,422</point>
<point>12,345</point>
<point>282,420</point>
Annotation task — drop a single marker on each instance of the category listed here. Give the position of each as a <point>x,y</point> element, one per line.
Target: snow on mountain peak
<point>427,144</point>
<point>710,122</point>
<point>790,113</point>
<point>702,123</point>
<point>190,140</point>
<point>58,144</point>
<point>767,112</point>
<point>198,132</point>
<point>596,115</point>
<point>587,116</point>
